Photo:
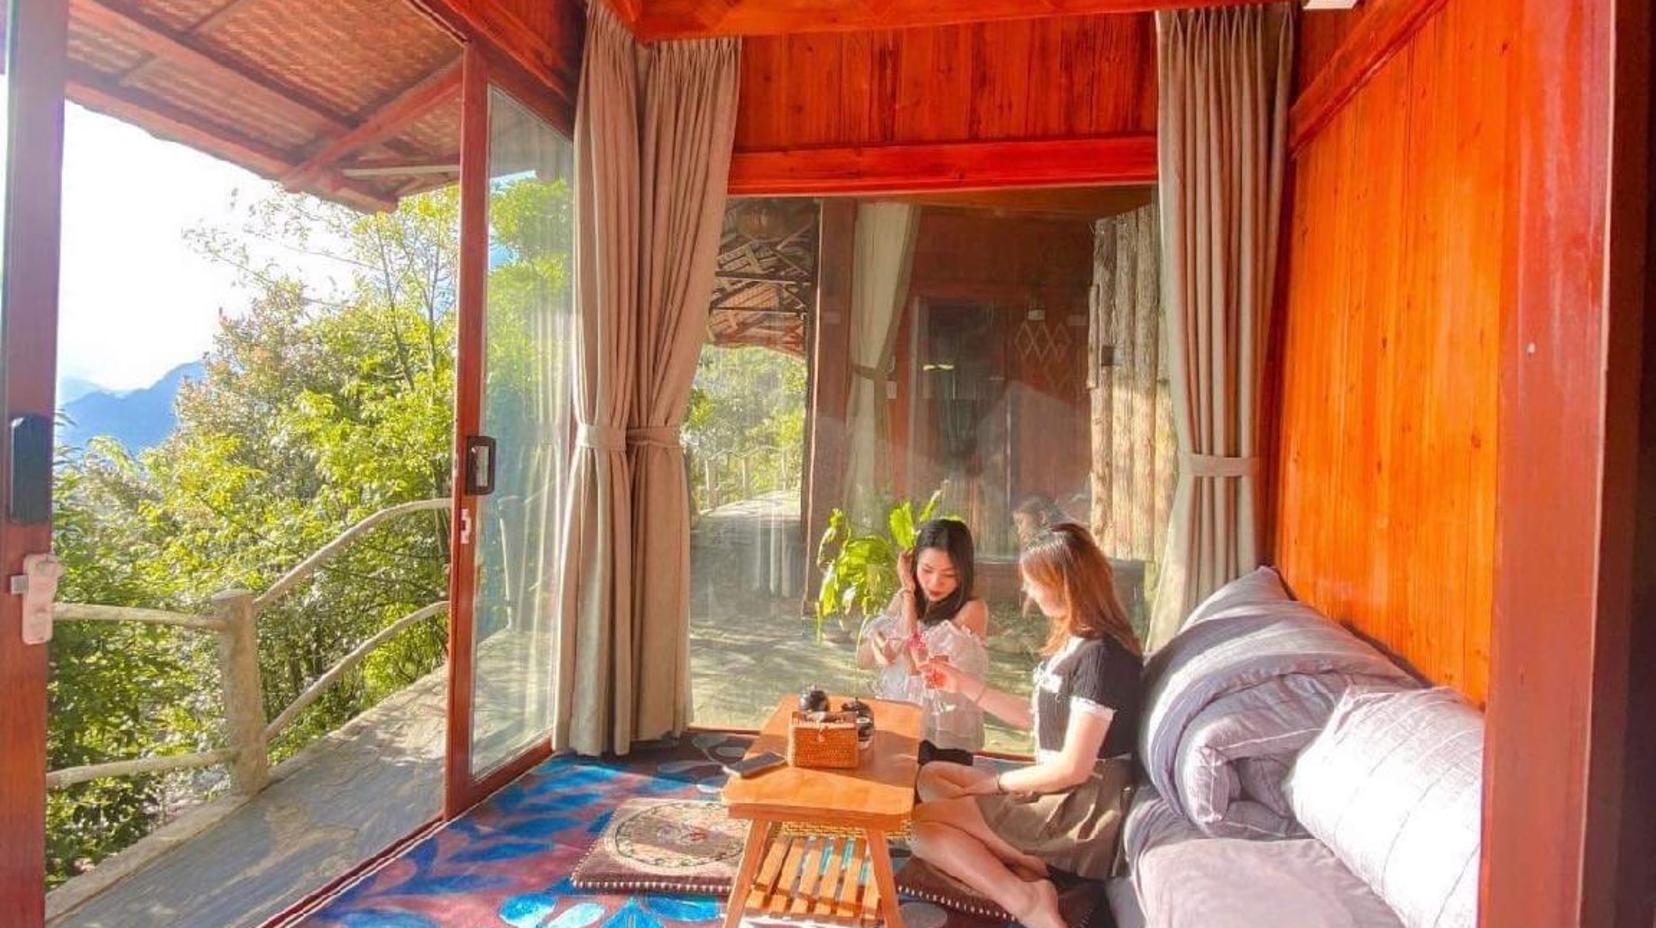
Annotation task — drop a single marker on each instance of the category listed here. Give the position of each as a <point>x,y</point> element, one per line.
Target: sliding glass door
<point>513,434</point>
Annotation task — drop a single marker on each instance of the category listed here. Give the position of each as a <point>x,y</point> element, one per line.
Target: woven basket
<point>831,743</point>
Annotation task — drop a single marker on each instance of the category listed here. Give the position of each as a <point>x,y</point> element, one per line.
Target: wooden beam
<point>1568,481</point>
<point>553,60</point>
<point>89,89</point>
<point>1384,29</point>
<point>156,39</point>
<point>762,278</point>
<point>679,19</point>
<point>831,328</point>
<point>404,109</point>
<point>401,167</point>
<point>1122,159</point>
<point>200,26</point>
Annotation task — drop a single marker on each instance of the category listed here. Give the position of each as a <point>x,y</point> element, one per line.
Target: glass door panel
<point>514,432</point>
<point>526,411</point>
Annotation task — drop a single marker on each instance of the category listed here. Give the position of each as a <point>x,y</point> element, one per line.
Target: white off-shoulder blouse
<point>952,720</point>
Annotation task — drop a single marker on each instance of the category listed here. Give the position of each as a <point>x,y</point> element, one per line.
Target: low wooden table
<point>817,846</point>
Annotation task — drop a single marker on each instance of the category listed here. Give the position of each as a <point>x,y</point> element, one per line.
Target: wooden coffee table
<point>817,846</point>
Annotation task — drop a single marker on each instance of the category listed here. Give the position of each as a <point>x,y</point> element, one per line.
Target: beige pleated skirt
<point>1077,831</point>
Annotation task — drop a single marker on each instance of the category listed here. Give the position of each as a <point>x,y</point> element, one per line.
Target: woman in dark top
<point>1003,834</point>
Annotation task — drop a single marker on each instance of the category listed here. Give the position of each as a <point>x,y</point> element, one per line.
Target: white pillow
<point>1393,784</point>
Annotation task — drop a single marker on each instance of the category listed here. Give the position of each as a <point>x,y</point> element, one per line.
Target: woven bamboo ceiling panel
<point>765,286</point>
<point>356,101</point>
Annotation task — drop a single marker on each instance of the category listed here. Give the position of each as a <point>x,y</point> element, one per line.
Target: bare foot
<point>1042,910</point>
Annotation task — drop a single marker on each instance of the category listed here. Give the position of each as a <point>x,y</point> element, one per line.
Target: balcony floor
<point>336,803</point>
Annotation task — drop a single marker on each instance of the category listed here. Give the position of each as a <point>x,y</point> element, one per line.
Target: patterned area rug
<point>665,845</point>
<point>508,862</point>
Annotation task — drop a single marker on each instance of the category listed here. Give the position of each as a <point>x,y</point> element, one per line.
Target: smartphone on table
<point>755,765</point>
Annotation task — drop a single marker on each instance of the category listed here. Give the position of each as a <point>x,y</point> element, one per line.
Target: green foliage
<point>315,411</point>
<point>746,418</point>
<point>858,563</point>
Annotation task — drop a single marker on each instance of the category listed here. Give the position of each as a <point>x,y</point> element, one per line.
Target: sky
<point>136,300</point>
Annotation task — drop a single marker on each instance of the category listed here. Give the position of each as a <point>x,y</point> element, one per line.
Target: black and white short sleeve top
<point>1093,675</point>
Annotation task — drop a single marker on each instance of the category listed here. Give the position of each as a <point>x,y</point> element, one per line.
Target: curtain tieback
<point>601,437</point>
<point>1213,465</point>
<point>655,436</point>
<point>872,373</point>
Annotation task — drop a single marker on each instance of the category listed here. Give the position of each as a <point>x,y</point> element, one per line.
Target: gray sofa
<point>1295,777</point>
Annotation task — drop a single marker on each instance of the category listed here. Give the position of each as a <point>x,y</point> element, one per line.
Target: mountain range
<point>138,419</point>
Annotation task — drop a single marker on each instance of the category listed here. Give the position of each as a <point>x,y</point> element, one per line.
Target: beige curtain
<point>689,125</point>
<point>652,144</point>
<point>1223,100</point>
<point>882,255</point>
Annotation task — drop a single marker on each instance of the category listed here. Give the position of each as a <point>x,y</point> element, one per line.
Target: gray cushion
<point>1251,594</point>
<point>1233,883</point>
<point>1233,698</point>
<point>1394,786</point>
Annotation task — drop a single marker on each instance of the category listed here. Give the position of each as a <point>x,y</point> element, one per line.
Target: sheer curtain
<point>883,250</point>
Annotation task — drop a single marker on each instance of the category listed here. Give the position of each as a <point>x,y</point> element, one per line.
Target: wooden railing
<point>731,475</point>
<point>235,620</point>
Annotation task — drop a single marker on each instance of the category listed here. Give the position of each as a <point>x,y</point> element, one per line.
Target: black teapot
<point>813,699</point>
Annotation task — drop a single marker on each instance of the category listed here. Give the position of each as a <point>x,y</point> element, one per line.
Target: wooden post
<point>1100,373</point>
<point>34,69</point>
<point>830,380</point>
<point>243,693</point>
<point>1133,450</point>
<point>1569,484</point>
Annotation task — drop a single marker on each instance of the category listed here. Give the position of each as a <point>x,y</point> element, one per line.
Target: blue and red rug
<point>507,862</point>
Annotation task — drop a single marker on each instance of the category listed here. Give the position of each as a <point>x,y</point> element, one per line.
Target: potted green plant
<point>859,563</point>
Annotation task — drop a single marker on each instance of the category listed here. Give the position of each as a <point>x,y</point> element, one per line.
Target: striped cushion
<point>1394,785</point>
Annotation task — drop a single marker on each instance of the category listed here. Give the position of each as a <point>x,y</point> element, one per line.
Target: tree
<point>746,403</point>
<point>315,410</point>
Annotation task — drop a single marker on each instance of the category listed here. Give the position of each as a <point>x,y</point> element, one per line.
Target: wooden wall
<point>1399,257</point>
<point>1037,367</point>
<point>1067,77</point>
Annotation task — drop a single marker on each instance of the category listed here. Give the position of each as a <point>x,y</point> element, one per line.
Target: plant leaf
<point>927,511</point>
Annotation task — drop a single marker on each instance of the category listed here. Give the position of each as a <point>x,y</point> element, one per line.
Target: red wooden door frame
<point>37,33</point>
<point>462,789</point>
<point>1568,480</point>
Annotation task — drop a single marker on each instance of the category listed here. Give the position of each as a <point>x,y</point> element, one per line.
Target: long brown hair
<point>1065,557</point>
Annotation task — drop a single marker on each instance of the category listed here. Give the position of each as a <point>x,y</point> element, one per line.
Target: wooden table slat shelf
<point>817,846</point>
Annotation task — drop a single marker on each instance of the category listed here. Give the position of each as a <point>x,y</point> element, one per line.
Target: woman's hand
<point>987,786</point>
<point>905,571</point>
<point>880,646</point>
<point>942,675</point>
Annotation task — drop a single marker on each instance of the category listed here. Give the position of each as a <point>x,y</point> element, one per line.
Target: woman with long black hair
<point>934,614</point>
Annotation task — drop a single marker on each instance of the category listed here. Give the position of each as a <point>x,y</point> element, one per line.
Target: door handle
<point>480,465</point>
<point>37,584</point>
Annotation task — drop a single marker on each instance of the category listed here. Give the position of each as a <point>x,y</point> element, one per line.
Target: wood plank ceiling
<point>660,19</point>
<point>355,101</point>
